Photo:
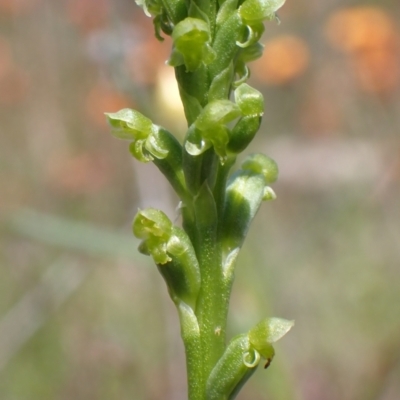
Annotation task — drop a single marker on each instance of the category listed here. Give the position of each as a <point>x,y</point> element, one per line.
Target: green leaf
<point>221,85</point>
<point>228,8</point>
<point>191,105</point>
<point>224,44</point>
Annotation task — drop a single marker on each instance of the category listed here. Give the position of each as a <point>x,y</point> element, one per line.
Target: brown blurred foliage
<point>88,15</point>
<point>15,8</point>
<point>14,81</point>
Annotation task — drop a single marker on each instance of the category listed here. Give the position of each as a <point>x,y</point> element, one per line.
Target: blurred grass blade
<point>73,235</point>
<point>33,310</point>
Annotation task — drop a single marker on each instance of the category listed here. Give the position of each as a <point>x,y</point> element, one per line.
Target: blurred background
<point>84,316</point>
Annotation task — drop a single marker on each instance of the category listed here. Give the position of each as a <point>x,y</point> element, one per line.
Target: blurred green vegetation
<point>84,316</point>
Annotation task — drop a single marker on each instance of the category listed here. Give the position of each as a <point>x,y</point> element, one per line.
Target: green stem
<point>212,303</point>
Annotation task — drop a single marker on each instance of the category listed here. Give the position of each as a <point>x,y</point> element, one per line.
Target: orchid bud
<point>192,47</point>
<point>262,164</point>
<point>210,128</point>
<point>243,133</point>
<point>150,142</point>
<point>242,356</point>
<point>173,253</point>
<point>132,125</point>
<point>182,273</point>
<point>235,366</point>
<point>255,11</point>
<point>249,100</point>
<point>244,194</point>
<point>155,228</point>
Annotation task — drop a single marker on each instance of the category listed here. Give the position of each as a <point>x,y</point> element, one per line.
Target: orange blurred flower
<point>377,71</point>
<point>369,37</point>
<point>285,58</point>
<point>360,28</point>
<point>102,98</point>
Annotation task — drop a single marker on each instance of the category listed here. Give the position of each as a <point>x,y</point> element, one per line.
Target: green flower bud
<point>151,222</point>
<point>243,133</point>
<point>129,124</point>
<point>249,100</point>
<point>173,253</point>
<point>254,33</point>
<point>235,366</point>
<point>191,44</point>
<point>210,128</point>
<point>155,228</point>
<point>242,356</point>
<point>150,7</point>
<point>254,11</point>
<point>218,112</point>
<point>251,53</point>
<point>162,23</point>
<point>182,273</point>
<point>262,164</point>
<point>244,194</point>
<point>146,138</point>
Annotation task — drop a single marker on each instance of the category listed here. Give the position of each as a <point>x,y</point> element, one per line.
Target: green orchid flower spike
<point>213,43</point>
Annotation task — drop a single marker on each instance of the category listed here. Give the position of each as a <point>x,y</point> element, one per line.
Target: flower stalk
<point>212,43</point>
